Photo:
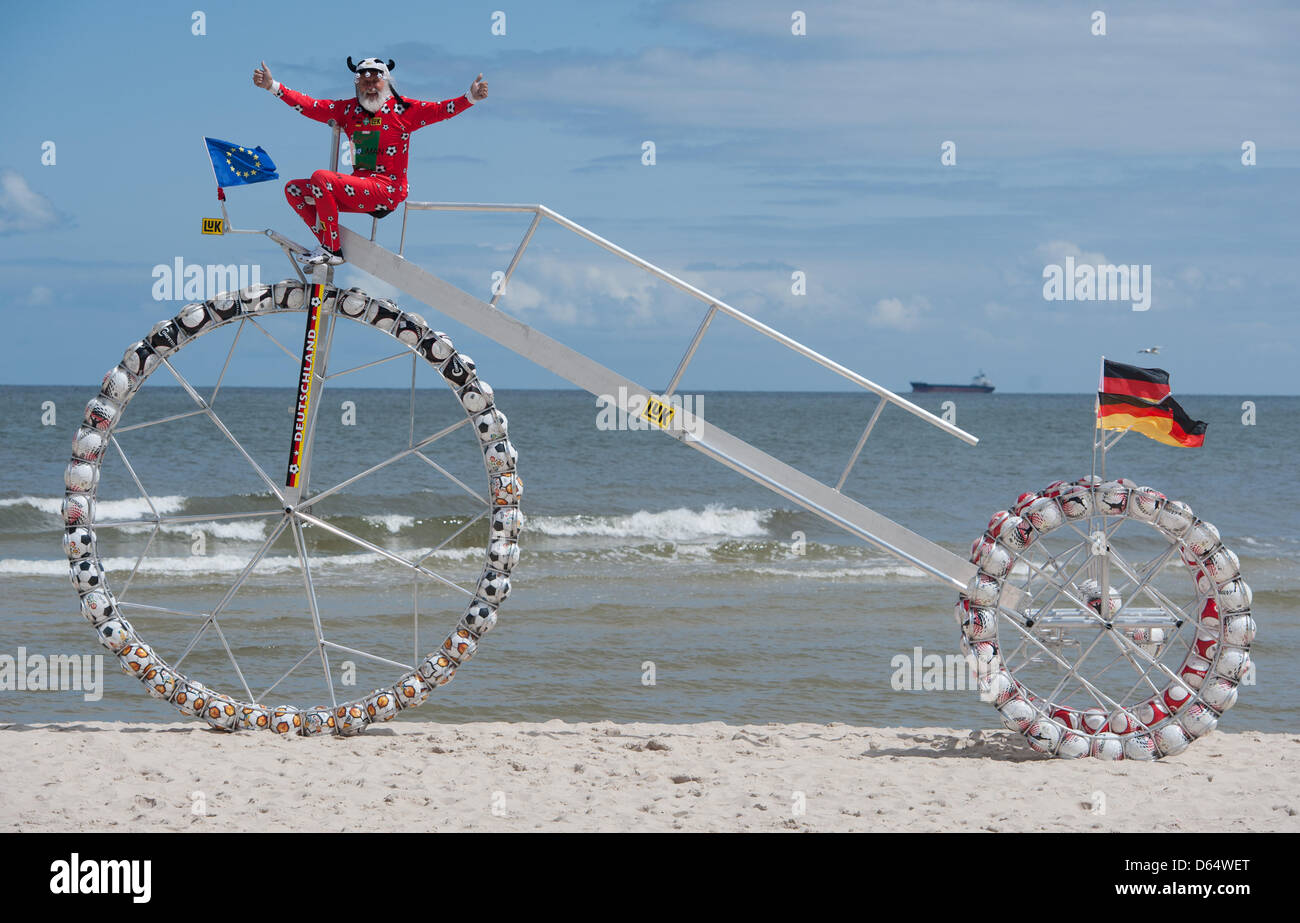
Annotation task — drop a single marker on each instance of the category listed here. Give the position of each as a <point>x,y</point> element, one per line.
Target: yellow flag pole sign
<point>1138,399</point>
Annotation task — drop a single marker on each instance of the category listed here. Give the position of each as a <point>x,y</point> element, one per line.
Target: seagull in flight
<point>1149,351</point>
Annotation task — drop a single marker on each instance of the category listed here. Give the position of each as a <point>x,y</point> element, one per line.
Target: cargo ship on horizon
<point>980,384</point>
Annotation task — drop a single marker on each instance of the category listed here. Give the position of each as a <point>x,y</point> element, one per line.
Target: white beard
<point>380,98</point>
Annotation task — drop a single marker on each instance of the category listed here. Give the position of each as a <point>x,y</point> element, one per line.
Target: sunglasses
<point>370,74</point>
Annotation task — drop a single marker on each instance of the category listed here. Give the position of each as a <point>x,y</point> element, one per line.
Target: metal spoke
<point>398,457</point>
<point>442,544</point>
<point>240,673</point>
<point>126,584</point>
<point>301,661</point>
<point>147,608</point>
<point>384,552</point>
<point>239,328</point>
<point>117,431</point>
<point>301,545</point>
<point>455,480</point>
<point>375,657</point>
<point>192,517</point>
<point>357,368</point>
<point>292,355</point>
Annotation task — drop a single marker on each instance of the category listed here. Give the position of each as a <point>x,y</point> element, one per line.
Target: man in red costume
<point>379,123</point>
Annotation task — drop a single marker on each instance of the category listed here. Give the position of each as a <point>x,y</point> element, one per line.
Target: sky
<point>776,153</point>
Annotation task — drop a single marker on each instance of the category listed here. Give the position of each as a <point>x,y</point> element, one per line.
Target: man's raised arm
<point>320,110</point>
<point>426,113</point>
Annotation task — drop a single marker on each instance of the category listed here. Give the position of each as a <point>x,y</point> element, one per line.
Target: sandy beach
<point>557,776</point>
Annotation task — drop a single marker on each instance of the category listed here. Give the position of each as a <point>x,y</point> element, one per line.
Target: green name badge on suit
<point>365,149</point>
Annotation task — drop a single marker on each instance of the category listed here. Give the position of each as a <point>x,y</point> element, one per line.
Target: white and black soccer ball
<point>118,384</point>
<point>88,444</point>
<point>1107,746</point>
<point>97,607</point>
<point>980,624</point>
<point>380,705</point>
<point>1073,746</point>
<point>78,542</point>
<point>458,370</point>
<point>228,305</point>
<point>1220,693</point>
<point>78,510</point>
<point>506,522</point>
<point>1017,714</point>
<point>983,590</point>
<point>1111,498</point>
<point>491,424</point>
<point>460,645</point>
<point>1175,517</point>
<point>101,413</point>
<point>1043,735</point>
<point>476,396</point>
<point>159,681</point>
<point>507,490</point>
<point>503,555</point>
<point>1201,538</point>
<point>164,337</point>
<point>1239,630</point>
<point>114,633</point>
<point>350,719</point>
<point>352,303</point>
<point>410,329</point>
<point>437,347</point>
<point>317,721</point>
<point>382,313</point>
<point>1044,514</point>
<point>192,319</point>
<point>1198,720</point>
<point>437,670</point>
<point>493,587</point>
<point>1076,501</point>
<point>81,476</point>
<point>500,457</point>
<point>140,359</point>
<point>1139,747</point>
<point>479,618</point>
<point>410,691</point>
<point>289,296</point>
<point>254,299</point>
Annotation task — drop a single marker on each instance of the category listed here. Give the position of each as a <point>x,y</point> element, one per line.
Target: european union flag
<point>235,165</point>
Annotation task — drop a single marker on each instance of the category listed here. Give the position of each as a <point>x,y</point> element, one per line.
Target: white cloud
<point>895,314</point>
<point>21,207</point>
<point>40,295</point>
<point>1056,251</point>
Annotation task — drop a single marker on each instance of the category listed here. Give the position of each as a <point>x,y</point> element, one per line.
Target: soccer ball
<point>1023,501</point>
<point>1175,517</point>
<point>479,618</point>
<point>1239,630</point>
<point>500,457</point>
<point>87,575</point>
<point>410,329</point>
<point>1194,670</point>
<point>317,721</point>
<point>1175,696</point>
<point>286,720</point>
<point>1232,663</point>
<point>1222,565</point>
<point>458,370</point>
<point>253,299</point>
<point>983,590</point>
<point>159,681</point>
<point>191,320</point>
<point>991,557</point>
<point>288,295</point>
<point>380,705</point>
<point>118,384</point>
<point>410,691</point>
<point>137,658</point>
<point>115,634</point>
<point>78,510</point>
<point>382,313</point>
<point>140,359</point>
<point>1151,712</point>
<point>163,337</point>
<point>475,398</point>
<point>1201,538</point>
<point>1017,714</point>
<point>507,490</point>
<point>1044,514</point>
<point>1206,643</point>
<point>1220,693</point>
<point>89,444</point>
<point>493,587</point>
<point>436,347</point>
<point>1107,747</point>
<point>1171,739</point>
<point>351,719</point>
<point>987,659</point>
<point>437,670</point>
<point>1112,497</point>
<point>1140,747</point>
<point>79,542</point>
<point>190,697</point>
<point>352,303</point>
<point>225,306</point>
<point>1198,720</point>
<point>981,624</point>
<point>81,476</point>
<point>503,555</point>
<point>1235,595</point>
<point>459,645</point>
<point>254,717</point>
<point>1011,530</point>
<point>101,413</point>
<point>1044,736</point>
<point>1093,720</point>
<point>1076,501</point>
<point>1072,746</point>
<point>997,688</point>
<point>1121,722</point>
<point>97,607</point>
<point>1144,503</point>
<point>506,522</point>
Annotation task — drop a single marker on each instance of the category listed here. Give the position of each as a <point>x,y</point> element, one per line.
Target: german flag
<point>1128,380</point>
<point>1164,422</point>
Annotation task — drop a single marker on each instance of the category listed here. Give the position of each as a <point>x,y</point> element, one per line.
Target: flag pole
<point>1099,441</point>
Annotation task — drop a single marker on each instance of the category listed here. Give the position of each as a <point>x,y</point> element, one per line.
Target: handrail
<point>714,303</point>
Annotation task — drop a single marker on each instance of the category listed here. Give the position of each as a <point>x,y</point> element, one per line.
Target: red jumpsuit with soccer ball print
<point>377,183</point>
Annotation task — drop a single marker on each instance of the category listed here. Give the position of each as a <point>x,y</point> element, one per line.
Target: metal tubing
<point>514,261</point>
<point>853,459</point>
<point>690,351</point>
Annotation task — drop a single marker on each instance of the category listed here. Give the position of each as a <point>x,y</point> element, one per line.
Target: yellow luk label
<point>658,412</point>
<point>213,226</point>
